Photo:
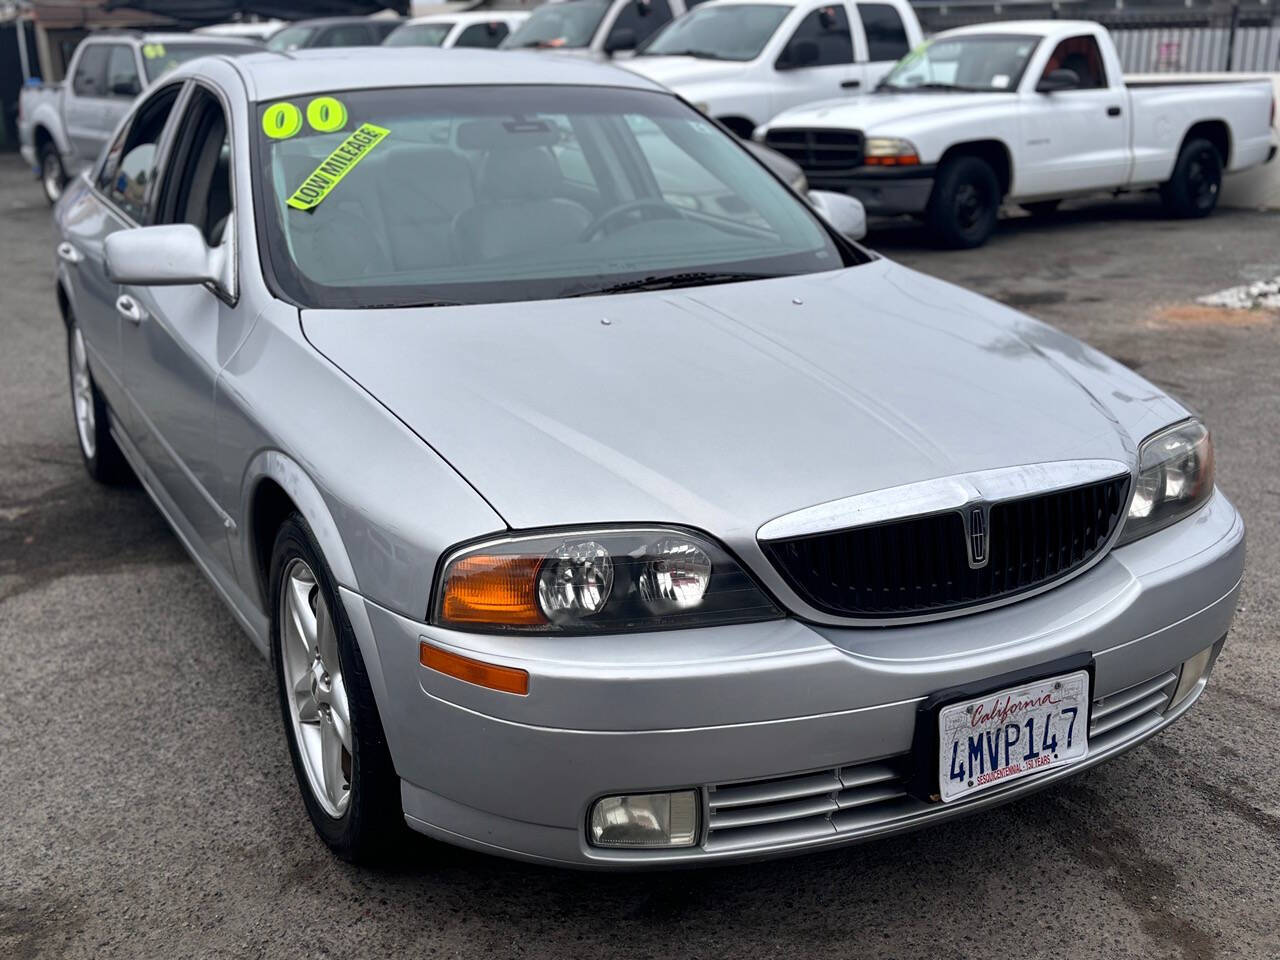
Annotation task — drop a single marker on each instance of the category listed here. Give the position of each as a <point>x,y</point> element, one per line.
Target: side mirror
<point>845,213</point>
<point>1060,79</point>
<point>125,88</point>
<point>166,256</point>
<point>619,40</point>
<point>801,53</point>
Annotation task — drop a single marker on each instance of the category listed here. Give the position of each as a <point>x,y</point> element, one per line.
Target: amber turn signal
<point>506,679</point>
<point>492,589</point>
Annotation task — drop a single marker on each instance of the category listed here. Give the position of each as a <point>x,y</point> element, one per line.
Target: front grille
<point>920,565</point>
<point>819,151</point>
<point>807,806</point>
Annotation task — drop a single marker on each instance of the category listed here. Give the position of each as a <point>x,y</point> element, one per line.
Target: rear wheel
<point>102,458</point>
<point>965,201</point>
<point>53,176</point>
<point>336,741</point>
<point>1193,189</point>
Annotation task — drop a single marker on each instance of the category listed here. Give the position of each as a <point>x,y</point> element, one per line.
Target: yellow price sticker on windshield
<point>336,166</point>
<point>153,51</point>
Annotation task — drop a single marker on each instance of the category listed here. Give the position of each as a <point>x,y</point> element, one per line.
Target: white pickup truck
<point>743,61</point>
<point>1029,112</point>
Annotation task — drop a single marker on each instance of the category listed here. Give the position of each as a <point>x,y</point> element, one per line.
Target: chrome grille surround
<point>871,798</point>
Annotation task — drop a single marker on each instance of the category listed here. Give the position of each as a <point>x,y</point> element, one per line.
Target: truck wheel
<point>964,203</point>
<point>52,175</point>
<point>1193,189</point>
<point>1042,208</point>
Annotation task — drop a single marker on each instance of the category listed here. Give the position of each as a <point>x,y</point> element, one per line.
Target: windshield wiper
<point>699,54</point>
<point>930,86</point>
<point>671,281</point>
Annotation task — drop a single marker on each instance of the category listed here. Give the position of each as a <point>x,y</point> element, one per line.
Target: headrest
<point>531,174</point>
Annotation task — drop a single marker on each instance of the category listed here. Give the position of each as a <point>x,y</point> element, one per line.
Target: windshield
<point>433,195</point>
<point>560,25</point>
<point>418,35</point>
<point>160,58</point>
<point>737,32</point>
<point>290,38</point>
<point>987,62</point>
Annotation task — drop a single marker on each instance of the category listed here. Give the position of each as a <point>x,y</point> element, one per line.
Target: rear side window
<point>90,79</point>
<point>130,169</point>
<point>1082,55</point>
<point>886,36</point>
<point>827,30</point>
<point>487,35</point>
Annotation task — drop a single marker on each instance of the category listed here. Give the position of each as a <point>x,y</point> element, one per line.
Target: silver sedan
<point>597,501</point>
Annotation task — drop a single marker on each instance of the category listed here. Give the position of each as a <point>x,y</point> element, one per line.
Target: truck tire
<point>965,201</point>
<point>1193,189</point>
<point>53,176</point>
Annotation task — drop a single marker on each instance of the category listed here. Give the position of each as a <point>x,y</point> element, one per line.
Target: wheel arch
<point>995,152</point>
<point>1216,132</point>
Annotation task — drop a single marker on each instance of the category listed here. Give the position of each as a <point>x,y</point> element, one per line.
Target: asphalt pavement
<point>150,809</point>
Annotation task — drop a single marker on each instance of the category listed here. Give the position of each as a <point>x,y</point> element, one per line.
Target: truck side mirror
<point>621,39</point>
<point>1060,79</point>
<point>800,53</point>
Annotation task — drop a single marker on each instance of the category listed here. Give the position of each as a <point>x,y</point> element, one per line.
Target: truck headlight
<point>1175,479</point>
<point>889,152</point>
<point>596,581</point>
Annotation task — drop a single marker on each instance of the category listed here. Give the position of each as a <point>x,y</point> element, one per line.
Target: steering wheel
<point>662,209</point>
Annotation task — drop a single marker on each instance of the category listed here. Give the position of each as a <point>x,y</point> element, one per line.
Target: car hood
<point>678,72</point>
<point>723,407</point>
<point>876,111</point>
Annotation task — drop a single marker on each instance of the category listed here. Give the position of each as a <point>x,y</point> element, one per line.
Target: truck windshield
<point>723,32</point>
<point>560,25</point>
<point>440,195</point>
<point>419,34</point>
<point>290,38</point>
<point>986,62</point>
<point>160,58</point>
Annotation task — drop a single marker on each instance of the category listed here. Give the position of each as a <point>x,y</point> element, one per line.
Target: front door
<point>817,61</point>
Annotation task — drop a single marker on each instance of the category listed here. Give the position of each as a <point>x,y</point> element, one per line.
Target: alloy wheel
<point>315,689</point>
<point>82,395</point>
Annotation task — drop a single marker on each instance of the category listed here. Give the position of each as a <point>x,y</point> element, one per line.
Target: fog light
<point>646,820</point>
<point>1192,671</point>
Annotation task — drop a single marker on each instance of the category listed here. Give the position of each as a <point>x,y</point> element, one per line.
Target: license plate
<point>1004,736</point>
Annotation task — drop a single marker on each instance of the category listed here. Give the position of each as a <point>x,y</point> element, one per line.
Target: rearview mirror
<point>167,256</point>
<point>845,213</point>
<point>801,53</point>
<point>1060,79</point>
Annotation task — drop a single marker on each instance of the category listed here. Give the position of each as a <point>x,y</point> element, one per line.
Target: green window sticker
<point>337,165</point>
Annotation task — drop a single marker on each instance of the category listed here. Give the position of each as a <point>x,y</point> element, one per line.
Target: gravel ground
<point>153,811</point>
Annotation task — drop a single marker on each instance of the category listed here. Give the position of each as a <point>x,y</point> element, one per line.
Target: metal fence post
<point>1231,34</point>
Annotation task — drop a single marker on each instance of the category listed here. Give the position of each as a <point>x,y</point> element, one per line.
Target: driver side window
<point>1080,54</point>
<point>197,185</point>
<point>822,40</point>
<point>641,18</point>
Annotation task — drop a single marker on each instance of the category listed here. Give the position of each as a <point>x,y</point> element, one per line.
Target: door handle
<point>850,84</point>
<point>1113,111</point>
<point>129,308</point>
<point>69,254</point>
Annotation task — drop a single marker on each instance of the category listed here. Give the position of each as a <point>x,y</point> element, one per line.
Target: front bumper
<point>826,715</point>
<point>886,192</point>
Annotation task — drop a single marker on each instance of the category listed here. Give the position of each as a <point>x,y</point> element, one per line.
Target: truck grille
<point>826,151</point>
<point>920,565</point>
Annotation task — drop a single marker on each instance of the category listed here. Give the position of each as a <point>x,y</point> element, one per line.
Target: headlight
<point>889,152</point>
<point>1175,478</point>
<point>596,581</point>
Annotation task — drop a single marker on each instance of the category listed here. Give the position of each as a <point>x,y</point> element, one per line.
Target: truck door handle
<point>68,253</point>
<point>1113,111</point>
<point>129,308</point>
<point>850,84</point>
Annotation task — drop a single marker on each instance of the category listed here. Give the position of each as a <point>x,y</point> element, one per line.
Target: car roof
<point>171,37</point>
<point>269,75</point>
<point>331,21</point>
<point>468,16</point>
<point>1046,28</point>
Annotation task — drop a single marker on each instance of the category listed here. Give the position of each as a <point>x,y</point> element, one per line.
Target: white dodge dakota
<point>1029,112</point>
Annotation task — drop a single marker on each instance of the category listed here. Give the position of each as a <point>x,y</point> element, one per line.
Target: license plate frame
<point>926,780</point>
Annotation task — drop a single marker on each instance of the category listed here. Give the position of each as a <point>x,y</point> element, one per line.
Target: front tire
<point>1193,189</point>
<point>336,741</point>
<point>964,204</point>
<point>53,176</point>
<point>102,458</point>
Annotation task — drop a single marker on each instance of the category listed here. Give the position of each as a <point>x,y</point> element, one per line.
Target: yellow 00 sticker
<point>325,114</point>
<point>281,121</point>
